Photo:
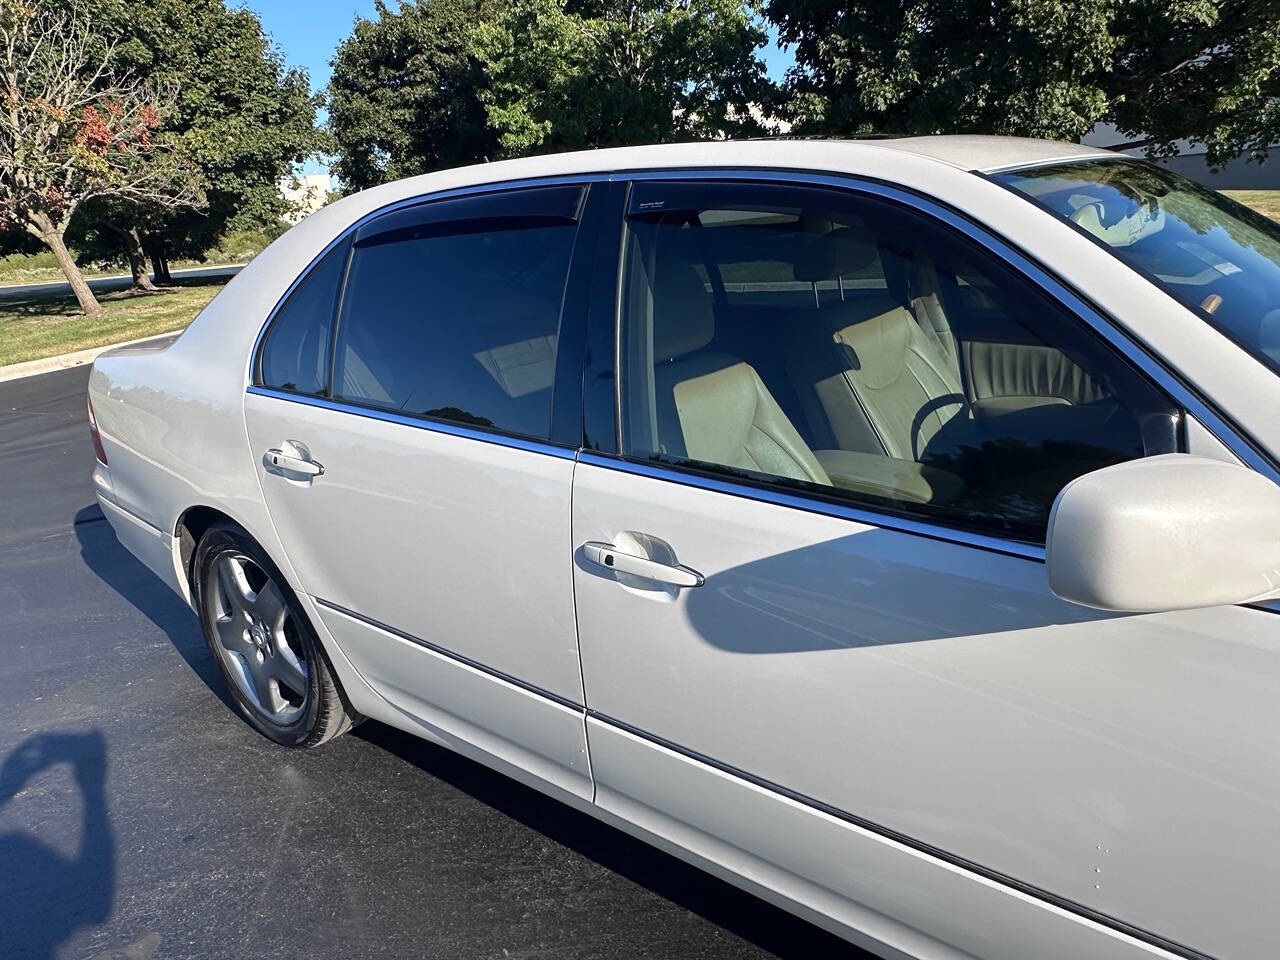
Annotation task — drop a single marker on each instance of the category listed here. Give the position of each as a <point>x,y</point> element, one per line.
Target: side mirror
<point>1171,532</point>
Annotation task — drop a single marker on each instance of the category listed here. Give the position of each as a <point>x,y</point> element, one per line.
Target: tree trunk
<point>51,235</point>
<point>137,260</point>
<point>131,244</point>
<point>160,265</point>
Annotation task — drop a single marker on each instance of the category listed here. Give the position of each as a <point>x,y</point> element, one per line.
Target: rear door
<point>817,641</point>
<point>415,417</point>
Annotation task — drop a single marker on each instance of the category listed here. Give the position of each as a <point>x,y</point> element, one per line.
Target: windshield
<point>1214,255</point>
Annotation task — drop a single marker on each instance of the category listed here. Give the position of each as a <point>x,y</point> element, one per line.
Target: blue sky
<point>308,31</point>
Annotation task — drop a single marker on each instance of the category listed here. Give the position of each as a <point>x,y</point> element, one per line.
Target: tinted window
<point>295,354</point>
<point>457,319</point>
<point>1217,257</point>
<point>891,362</point>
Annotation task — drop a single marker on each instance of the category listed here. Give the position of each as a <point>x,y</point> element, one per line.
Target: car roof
<point>868,156</point>
<point>988,154</point>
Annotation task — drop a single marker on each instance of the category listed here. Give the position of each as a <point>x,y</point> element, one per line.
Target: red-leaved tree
<point>70,131</point>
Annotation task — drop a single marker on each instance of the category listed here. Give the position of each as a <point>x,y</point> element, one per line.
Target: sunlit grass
<point>1264,201</point>
<point>48,326</point>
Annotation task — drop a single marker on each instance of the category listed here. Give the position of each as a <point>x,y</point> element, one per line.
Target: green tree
<point>73,131</point>
<point>1204,70</point>
<point>241,118</point>
<point>441,83</point>
<point>573,74</point>
<point>404,97</point>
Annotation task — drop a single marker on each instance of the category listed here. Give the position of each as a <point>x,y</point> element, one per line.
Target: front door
<point>816,636</point>
<point>417,491</point>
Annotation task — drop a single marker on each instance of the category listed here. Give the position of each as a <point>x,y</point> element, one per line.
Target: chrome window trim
<point>829,508</point>
<point>421,423</point>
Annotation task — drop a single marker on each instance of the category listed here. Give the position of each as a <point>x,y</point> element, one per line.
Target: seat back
<point>728,416</point>
<point>711,406</point>
<point>905,386</point>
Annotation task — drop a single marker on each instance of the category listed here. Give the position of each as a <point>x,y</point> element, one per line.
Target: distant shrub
<point>239,246</point>
<point>19,267</point>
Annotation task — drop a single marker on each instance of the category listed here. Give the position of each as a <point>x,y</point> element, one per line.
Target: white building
<point>305,194</point>
<point>1242,173</point>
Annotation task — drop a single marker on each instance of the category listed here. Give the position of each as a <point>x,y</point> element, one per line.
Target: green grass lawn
<point>48,326</point>
<point>1264,201</point>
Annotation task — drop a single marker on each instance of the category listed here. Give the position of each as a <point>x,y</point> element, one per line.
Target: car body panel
<point>458,543</point>
<point>881,894</point>
<point>506,721</point>
<point>942,693</point>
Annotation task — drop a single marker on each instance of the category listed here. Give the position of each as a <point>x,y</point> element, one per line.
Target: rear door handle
<point>608,556</point>
<point>292,460</point>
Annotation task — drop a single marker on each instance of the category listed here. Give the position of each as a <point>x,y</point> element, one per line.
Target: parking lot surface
<point>139,817</point>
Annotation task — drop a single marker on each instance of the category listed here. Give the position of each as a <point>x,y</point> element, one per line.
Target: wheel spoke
<point>237,593</point>
<point>289,670</point>
<point>230,632</point>
<point>252,630</point>
<point>270,608</point>
<point>239,667</point>
<point>268,696</point>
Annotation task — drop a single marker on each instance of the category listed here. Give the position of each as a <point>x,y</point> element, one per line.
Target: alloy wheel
<point>257,638</point>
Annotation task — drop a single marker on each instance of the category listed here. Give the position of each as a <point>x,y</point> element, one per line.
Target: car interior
<point>807,347</point>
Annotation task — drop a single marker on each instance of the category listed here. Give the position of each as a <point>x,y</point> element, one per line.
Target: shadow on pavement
<point>768,927</point>
<point>46,896</point>
<point>126,575</point>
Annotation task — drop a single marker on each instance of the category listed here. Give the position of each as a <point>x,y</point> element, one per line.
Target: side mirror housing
<point>1171,532</point>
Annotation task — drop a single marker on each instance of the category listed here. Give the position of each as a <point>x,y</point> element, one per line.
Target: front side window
<point>457,319</point>
<point>1214,255</point>
<point>852,348</point>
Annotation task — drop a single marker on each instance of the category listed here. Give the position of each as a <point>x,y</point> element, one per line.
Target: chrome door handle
<point>607,556</point>
<point>284,463</point>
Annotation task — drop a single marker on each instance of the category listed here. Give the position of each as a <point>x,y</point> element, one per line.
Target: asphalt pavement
<point>141,818</point>
<point>56,288</point>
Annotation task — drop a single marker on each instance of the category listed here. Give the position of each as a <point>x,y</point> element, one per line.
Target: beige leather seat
<point>711,406</point>
<point>888,378</point>
<point>903,382</point>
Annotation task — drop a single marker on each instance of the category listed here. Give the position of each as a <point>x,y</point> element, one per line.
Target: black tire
<point>324,713</point>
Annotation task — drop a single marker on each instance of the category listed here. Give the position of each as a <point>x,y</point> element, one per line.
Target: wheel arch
<point>191,525</point>
<point>196,520</point>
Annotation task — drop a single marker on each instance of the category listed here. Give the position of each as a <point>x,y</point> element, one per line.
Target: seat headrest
<point>877,348</point>
<point>683,314</point>
<point>825,256</point>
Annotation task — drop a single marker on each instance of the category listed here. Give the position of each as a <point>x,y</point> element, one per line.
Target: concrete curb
<point>32,368</point>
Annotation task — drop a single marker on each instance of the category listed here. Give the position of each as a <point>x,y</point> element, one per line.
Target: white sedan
<point>887,527</point>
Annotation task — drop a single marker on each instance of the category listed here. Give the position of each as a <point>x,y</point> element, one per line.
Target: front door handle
<point>611,558</point>
<point>291,459</point>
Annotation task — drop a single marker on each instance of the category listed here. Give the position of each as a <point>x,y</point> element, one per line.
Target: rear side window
<point>295,354</point>
<point>456,318</point>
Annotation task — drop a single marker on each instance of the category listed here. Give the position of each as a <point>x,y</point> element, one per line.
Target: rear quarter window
<point>295,352</point>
